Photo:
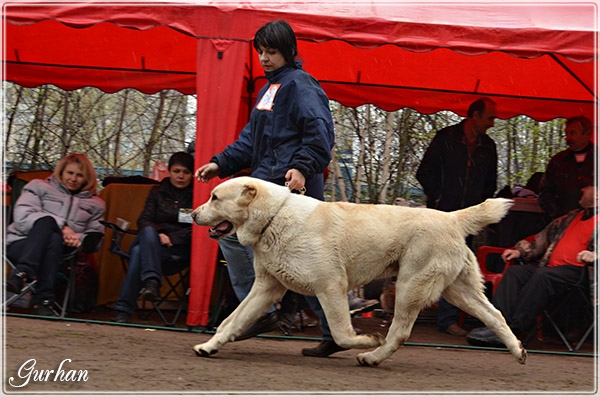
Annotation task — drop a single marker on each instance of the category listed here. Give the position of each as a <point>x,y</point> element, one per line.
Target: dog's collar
<point>273,217</point>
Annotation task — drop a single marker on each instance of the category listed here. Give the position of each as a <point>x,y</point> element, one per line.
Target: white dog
<point>325,249</point>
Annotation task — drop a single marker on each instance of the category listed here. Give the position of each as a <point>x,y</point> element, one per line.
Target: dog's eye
<point>214,197</point>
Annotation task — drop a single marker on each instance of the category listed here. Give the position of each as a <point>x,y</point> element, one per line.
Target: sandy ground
<point>99,358</point>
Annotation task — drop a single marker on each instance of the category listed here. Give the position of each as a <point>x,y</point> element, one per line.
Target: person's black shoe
<point>326,348</point>
<point>121,317</point>
<point>285,322</point>
<point>265,323</point>
<point>150,290</point>
<point>45,309</point>
<point>484,337</point>
<point>15,282</point>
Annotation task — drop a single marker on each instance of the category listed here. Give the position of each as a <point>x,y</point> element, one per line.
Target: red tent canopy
<point>535,59</point>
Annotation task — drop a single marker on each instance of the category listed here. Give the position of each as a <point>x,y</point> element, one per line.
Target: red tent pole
<point>219,83</point>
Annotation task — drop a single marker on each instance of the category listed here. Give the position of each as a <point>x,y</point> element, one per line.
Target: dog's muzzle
<point>220,230</point>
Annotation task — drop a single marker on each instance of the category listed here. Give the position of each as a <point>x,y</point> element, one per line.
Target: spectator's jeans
<point>240,265</point>
<point>146,256</point>
<point>40,255</point>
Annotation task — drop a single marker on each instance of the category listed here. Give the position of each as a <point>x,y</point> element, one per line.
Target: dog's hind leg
<point>334,302</point>
<point>408,304</point>
<point>265,292</point>
<point>467,294</point>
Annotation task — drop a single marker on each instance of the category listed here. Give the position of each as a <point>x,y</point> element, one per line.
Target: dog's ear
<point>248,194</point>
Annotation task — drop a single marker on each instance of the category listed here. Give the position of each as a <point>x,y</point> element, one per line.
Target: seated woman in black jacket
<point>165,230</point>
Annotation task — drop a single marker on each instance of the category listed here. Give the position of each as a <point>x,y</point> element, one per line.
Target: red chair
<point>489,276</point>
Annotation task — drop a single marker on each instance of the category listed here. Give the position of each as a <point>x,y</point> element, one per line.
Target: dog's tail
<point>475,218</point>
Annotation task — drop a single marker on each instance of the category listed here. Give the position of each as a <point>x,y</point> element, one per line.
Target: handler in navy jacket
<point>288,141</point>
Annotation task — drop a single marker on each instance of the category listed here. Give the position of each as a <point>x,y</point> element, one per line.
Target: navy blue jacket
<point>452,179</point>
<point>296,133</point>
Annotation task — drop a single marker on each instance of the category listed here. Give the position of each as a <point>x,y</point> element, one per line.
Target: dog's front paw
<point>367,359</point>
<point>202,352</point>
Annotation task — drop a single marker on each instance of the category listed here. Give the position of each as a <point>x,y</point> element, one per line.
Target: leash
<point>287,184</point>
<point>273,217</point>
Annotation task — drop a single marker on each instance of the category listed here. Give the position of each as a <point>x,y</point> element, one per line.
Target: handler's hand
<point>294,179</point>
<point>586,256</point>
<point>207,172</point>
<point>510,254</point>
<point>70,238</point>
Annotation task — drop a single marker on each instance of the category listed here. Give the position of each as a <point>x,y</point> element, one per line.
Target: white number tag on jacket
<point>267,100</point>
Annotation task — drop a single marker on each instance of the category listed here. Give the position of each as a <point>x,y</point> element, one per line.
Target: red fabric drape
<point>220,80</point>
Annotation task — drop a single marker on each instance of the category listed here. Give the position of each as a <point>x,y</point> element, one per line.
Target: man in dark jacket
<point>570,170</point>
<point>458,170</point>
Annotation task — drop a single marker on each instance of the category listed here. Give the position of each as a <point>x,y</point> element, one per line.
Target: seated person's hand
<point>165,240</point>
<point>70,238</point>
<point>510,254</point>
<point>586,256</point>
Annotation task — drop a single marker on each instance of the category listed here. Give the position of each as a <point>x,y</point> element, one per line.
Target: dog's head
<point>233,204</point>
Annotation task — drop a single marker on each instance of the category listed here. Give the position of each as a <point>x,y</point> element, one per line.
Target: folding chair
<point>177,280</point>
<point>580,290</point>
<point>17,180</point>
<point>179,289</point>
<point>492,267</point>
<point>88,246</point>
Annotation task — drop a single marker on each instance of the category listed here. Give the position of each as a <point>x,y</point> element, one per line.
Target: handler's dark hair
<point>278,35</point>
<point>479,106</point>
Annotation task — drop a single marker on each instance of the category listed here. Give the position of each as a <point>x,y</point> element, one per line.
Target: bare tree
<point>386,157</point>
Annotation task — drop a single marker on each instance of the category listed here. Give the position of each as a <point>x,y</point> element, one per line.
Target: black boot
<point>150,290</point>
<point>121,317</point>
<point>16,281</point>
<point>46,308</point>
<point>265,323</point>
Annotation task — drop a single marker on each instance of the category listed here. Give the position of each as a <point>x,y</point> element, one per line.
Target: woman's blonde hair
<point>89,173</point>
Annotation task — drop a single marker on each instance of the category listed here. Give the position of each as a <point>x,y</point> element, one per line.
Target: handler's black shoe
<point>484,337</point>
<point>326,348</point>
<point>265,323</point>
